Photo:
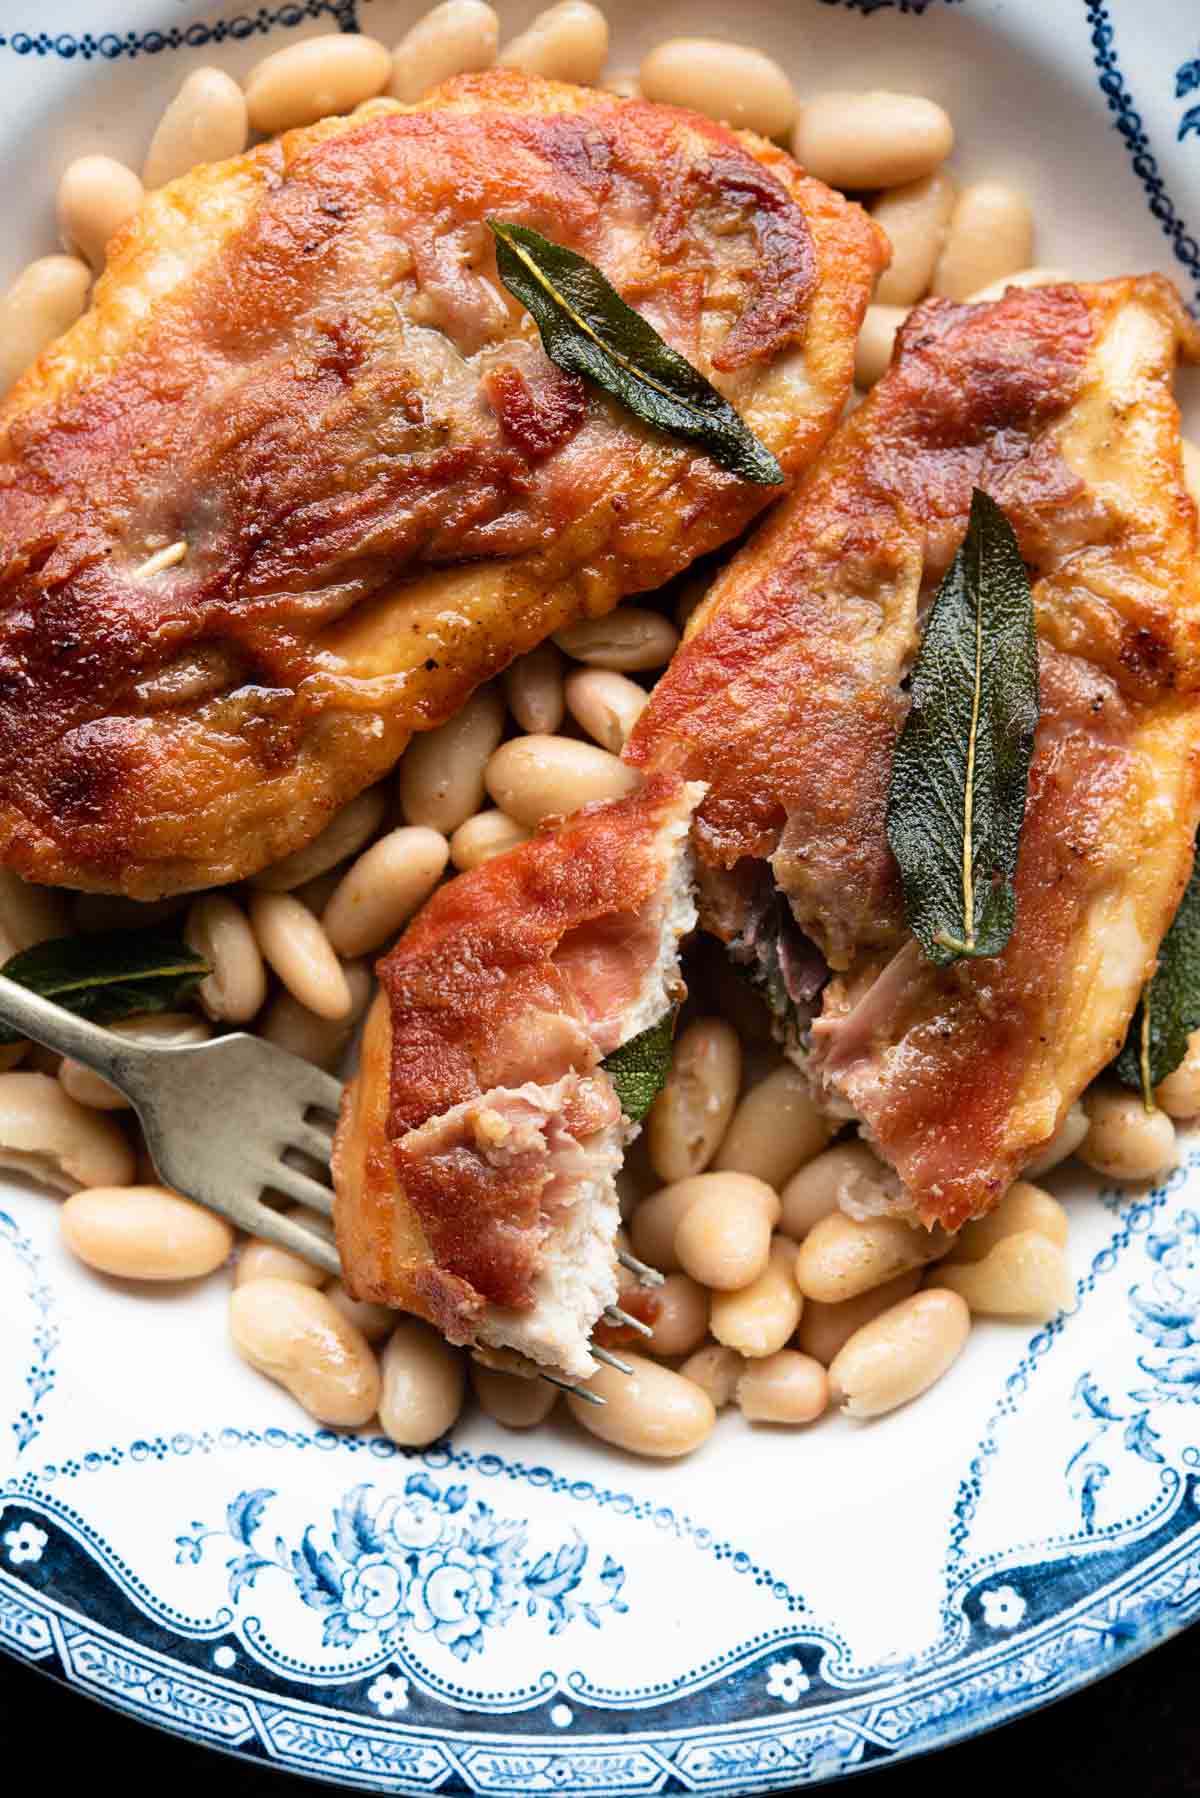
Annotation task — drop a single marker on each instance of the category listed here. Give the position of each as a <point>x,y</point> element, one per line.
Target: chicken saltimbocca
<point>777,723</point>
<point>303,477</point>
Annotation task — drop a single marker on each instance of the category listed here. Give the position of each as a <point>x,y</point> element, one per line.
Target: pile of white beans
<point>786,1290</point>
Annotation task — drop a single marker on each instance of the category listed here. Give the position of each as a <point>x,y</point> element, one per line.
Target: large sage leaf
<point>1169,1008</point>
<point>589,330</point>
<point>957,796</point>
<point>113,975</point>
<point>639,1068</point>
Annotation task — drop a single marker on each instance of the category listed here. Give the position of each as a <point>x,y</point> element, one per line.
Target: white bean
<point>258,1260</point>
<point>205,122</point>
<point>761,1317</point>
<point>990,236</point>
<point>1179,1093</point>
<point>533,686</point>
<point>606,705</point>
<point>716,1370</point>
<point>725,81</point>
<point>167,1029</point>
<point>785,1387</point>
<point>847,1177</point>
<point>30,914</point>
<point>291,1026</point>
<point>294,944</point>
<point>681,1316</point>
<point>457,38</point>
<point>776,1129</point>
<point>876,343</point>
<point>874,139</point>
<point>628,641</point>
<point>44,301</point>
<point>1124,1140</point>
<point>217,928</point>
<point>509,1399</point>
<point>313,79</point>
<point>1023,277</point>
<point>345,834</point>
<point>532,778</point>
<point>724,1239</point>
<point>651,1411</point>
<point>1024,1275</point>
<point>48,1135</point>
<point>654,1222</point>
<point>424,1383</point>
<point>1023,1207</point>
<point>568,42</point>
<point>841,1257</point>
<point>375,1321</point>
<point>96,196</point>
<point>144,1233</point>
<point>295,1335</point>
<point>900,1354</point>
<point>440,780</point>
<point>691,1114</point>
<point>915,218</point>
<point>487,834</point>
<point>1064,1142</point>
<point>384,888</point>
<point>825,1328</point>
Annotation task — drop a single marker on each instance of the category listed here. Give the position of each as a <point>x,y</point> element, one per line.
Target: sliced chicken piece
<point>476,1158</point>
<point>790,692</point>
<point>303,477</point>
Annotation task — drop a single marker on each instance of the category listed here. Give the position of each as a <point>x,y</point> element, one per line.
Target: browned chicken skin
<point>302,367</point>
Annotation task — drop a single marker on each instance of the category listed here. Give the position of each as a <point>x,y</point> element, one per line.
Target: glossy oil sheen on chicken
<point>301,366</point>
<point>789,695</point>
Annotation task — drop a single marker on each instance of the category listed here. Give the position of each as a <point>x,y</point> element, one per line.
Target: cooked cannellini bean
<point>533,686</point>
<point>691,1114</point>
<point>915,218</point>
<point>532,778</point>
<point>1023,277</point>
<point>258,1260</point>
<point>725,81</point>
<point>295,1335</point>
<point>627,641</point>
<point>1124,1140</point>
<point>825,1328</point>
<point>509,1399</point>
<point>29,914</point>
<point>440,781</point>
<point>375,1321</point>
<point>876,343</point>
<point>144,1233</point>
<point>1191,469</point>
<point>1024,1275</point>
<point>900,1354</point>
<point>760,1318</point>
<point>847,1177</point>
<point>166,1030</point>
<point>205,122</point>
<point>724,1239</point>
<point>44,301</point>
<point>218,929</point>
<point>625,87</point>
<point>457,38</point>
<point>873,139</point>
<point>424,1383</point>
<point>296,947</point>
<point>650,1411</point>
<point>1064,1142</point>
<point>96,196</point>
<point>342,837</point>
<point>384,888</point>
<point>292,1026</point>
<point>841,1257</point>
<point>568,42</point>
<point>605,704</point>
<point>317,893</point>
<point>681,1316</point>
<point>50,1136</point>
<point>1179,1093</point>
<point>654,1222</point>
<point>485,835</point>
<point>314,79</point>
<point>775,1130</point>
<point>716,1370</point>
<point>1023,1207</point>
<point>990,236</point>
<point>785,1387</point>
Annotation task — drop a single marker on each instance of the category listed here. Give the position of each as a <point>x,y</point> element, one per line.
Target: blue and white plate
<point>536,1613</point>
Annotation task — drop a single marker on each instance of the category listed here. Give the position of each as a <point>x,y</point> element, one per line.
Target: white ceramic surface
<point>536,1612</point>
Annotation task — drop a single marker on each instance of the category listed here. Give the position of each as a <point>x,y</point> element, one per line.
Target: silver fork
<point>219,1118</point>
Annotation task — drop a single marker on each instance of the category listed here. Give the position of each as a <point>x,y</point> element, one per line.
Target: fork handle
<point>99,1049</point>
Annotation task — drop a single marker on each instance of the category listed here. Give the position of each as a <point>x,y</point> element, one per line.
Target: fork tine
<point>291,1233</point>
<point>325,1091</point>
<point>302,1187</point>
<point>313,1141</point>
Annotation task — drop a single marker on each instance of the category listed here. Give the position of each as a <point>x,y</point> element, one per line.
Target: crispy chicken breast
<point>788,697</point>
<point>302,377</point>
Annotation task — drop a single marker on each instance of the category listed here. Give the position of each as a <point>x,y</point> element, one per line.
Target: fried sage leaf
<point>1169,1008</point>
<point>587,329</point>
<point>113,975</point>
<point>961,771</point>
<point>639,1068</point>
